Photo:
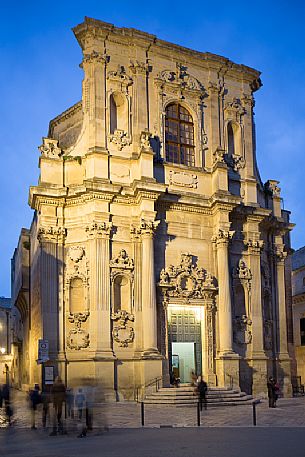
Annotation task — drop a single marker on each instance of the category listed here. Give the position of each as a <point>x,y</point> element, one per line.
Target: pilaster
<point>283,360</point>
<point>99,239</point>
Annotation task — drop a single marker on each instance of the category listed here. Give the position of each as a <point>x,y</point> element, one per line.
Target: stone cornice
<point>98,31</point>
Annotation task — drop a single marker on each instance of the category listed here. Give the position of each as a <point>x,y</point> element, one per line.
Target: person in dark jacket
<point>202,391</point>
<point>35,399</point>
<point>45,400</point>
<point>271,386</point>
<point>58,394</point>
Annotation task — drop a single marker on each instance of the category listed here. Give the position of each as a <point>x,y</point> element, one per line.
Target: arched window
<point>231,140</point>
<point>179,135</point>
<point>234,139</point>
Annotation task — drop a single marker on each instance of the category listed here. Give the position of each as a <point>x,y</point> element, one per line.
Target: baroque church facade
<point>155,246</point>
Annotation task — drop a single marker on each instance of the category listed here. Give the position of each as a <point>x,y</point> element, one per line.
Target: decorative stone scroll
<point>236,162</point>
<point>186,280</point>
<point>102,229</point>
<point>120,138</point>
<point>120,76</point>
<point>77,338</point>
<point>234,110</point>
<point>279,253</point>
<point>50,148</point>
<point>182,179</point>
<point>122,264</point>
<point>95,57</point>
<point>182,78</point>
<point>219,155</point>
<point>122,332</point>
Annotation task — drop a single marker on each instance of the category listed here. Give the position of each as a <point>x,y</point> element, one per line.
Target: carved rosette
<point>50,148</point>
<point>77,337</point>
<point>51,234</point>
<point>122,332</point>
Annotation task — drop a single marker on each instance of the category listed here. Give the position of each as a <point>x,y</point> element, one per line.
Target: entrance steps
<point>187,395</point>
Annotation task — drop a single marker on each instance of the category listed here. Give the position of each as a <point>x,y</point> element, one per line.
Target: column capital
<point>51,234</point>
<point>95,58</point>
<point>99,230</point>
<point>144,229</point>
<point>254,246</point>
<point>223,236</point>
<point>279,253</point>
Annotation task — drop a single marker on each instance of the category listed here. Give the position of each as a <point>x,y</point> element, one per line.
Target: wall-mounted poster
<point>49,375</point>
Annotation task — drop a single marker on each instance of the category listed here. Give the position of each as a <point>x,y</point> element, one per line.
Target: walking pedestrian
<point>58,393</point>
<point>202,390</point>
<point>70,402</point>
<point>35,399</point>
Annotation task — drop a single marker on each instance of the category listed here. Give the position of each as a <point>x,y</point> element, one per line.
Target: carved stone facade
<point>137,252</point>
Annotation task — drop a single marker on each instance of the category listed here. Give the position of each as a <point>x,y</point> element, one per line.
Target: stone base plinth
<point>284,375</point>
<point>227,370</point>
<point>259,376</point>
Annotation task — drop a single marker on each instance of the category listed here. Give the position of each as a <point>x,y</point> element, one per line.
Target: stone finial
<point>50,148</point>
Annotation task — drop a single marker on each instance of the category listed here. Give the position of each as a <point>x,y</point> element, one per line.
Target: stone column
<point>214,140</point>
<point>137,249</point>
<point>284,361</point>
<point>99,236</point>
<point>259,360</point>
<point>149,308</point>
<point>222,239</point>
<point>227,361</point>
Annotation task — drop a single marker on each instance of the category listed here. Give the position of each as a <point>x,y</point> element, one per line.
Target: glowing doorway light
<point>2,350</point>
<point>197,310</point>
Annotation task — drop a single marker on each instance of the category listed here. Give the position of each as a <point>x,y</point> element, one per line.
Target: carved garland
<point>242,324</point>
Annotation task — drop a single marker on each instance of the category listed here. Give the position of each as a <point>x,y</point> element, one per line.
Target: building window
<point>179,135</point>
<point>302,331</point>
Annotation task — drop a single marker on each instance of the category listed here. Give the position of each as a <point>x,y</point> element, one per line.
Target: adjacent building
<point>154,243</point>
<point>298,300</point>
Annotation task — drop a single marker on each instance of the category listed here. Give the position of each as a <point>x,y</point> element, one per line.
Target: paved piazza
<point>117,432</point>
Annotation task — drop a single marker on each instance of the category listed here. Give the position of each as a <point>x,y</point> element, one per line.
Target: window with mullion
<point>179,135</point>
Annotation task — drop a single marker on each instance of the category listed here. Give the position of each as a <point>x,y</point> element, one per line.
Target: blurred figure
<point>1,398</point>
<point>35,399</point>
<point>58,394</point>
<point>46,400</point>
<point>70,402</point>
<point>193,378</point>
<point>80,403</point>
<point>202,391</point>
<point>173,380</point>
<point>89,407</point>
<point>271,392</point>
<point>6,399</point>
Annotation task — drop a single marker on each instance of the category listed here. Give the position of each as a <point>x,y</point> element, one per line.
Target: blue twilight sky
<point>40,78</point>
